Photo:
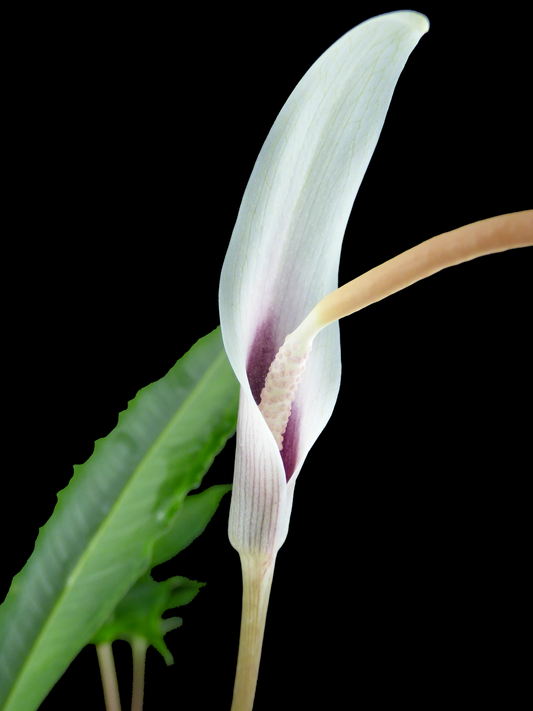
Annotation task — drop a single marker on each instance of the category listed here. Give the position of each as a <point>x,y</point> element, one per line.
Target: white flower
<point>283,258</point>
<point>284,253</point>
<point>279,301</point>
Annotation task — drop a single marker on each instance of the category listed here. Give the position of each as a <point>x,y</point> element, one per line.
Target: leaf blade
<point>190,522</point>
<point>100,536</point>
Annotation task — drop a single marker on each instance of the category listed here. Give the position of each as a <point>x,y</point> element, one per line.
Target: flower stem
<point>109,676</point>
<point>138,648</point>
<point>257,572</point>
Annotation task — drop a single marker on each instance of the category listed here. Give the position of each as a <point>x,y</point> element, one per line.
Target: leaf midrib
<point>202,383</point>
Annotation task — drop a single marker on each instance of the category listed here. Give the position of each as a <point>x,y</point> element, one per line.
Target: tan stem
<point>496,234</point>
<point>257,572</point>
<point>138,647</point>
<point>109,676</point>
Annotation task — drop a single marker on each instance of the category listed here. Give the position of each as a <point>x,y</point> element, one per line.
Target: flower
<point>279,301</point>
<point>283,258</point>
<point>284,253</point>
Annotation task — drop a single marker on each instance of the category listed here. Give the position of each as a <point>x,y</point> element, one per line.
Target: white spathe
<point>284,253</point>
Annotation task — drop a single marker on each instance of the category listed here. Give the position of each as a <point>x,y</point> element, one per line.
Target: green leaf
<point>190,522</point>
<point>99,540</point>
<point>139,613</point>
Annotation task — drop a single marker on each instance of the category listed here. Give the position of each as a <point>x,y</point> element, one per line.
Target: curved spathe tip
<point>416,20</point>
<point>410,18</point>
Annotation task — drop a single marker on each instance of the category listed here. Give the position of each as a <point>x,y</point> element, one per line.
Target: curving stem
<point>495,234</point>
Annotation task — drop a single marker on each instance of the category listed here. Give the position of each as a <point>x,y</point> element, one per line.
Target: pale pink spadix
<point>490,236</point>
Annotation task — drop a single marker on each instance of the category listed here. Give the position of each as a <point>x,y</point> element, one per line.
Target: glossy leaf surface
<point>190,522</point>
<point>140,612</point>
<point>99,540</point>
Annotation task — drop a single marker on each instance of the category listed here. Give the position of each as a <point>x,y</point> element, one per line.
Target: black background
<point>134,134</point>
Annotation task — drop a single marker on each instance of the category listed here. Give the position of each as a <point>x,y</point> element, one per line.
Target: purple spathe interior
<point>261,354</point>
